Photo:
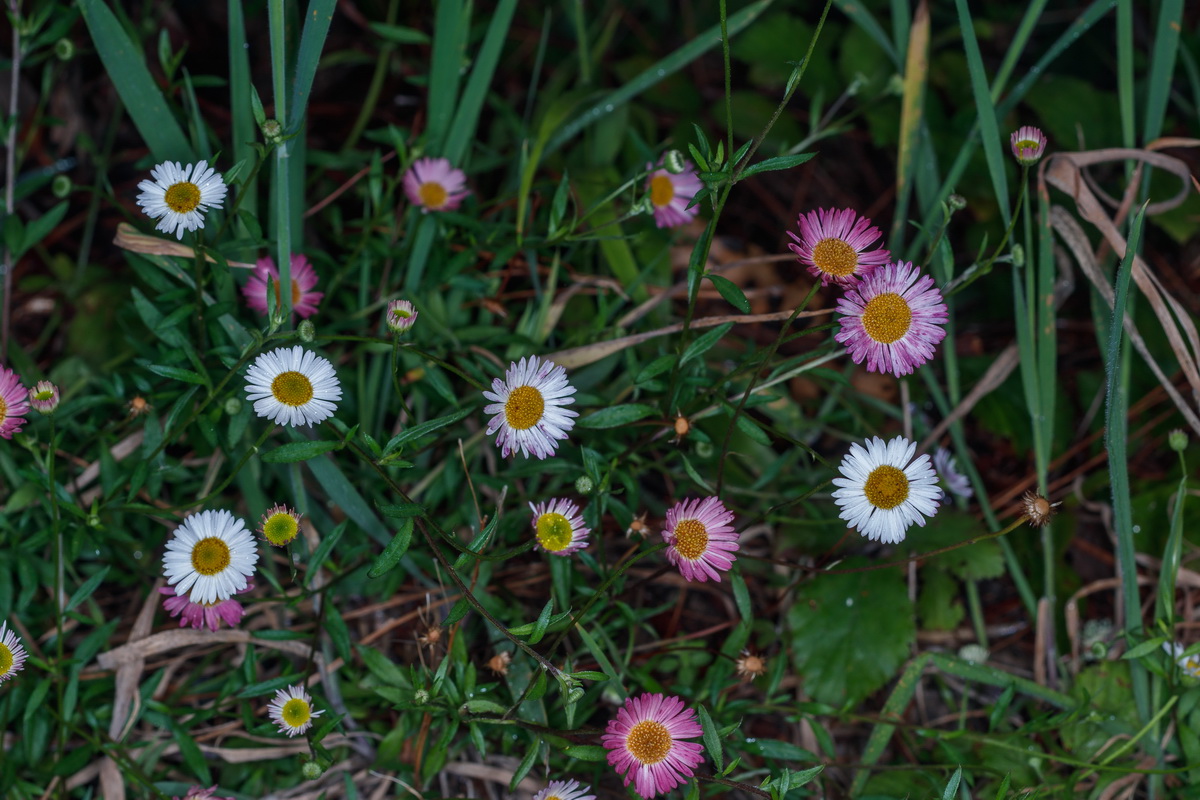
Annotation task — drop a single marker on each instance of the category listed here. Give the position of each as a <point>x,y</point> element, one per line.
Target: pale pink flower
<point>435,185</point>
<point>203,615</point>
<point>565,790</point>
<point>671,193</point>
<point>200,793</point>
<point>833,243</point>
<point>701,541</point>
<point>1028,144</point>
<point>14,401</point>
<point>304,279</point>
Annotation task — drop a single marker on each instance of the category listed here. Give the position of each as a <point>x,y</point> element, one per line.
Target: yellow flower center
<point>292,388</point>
<point>210,556</point>
<point>649,742</point>
<point>6,659</point>
<point>433,195</point>
<point>554,532</point>
<point>524,408</point>
<point>691,538</point>
<point>887,318</point>
<point>3,410</point>
<point>296,712</point>
<point>886,487</point>
<point>662,191</point>
<point>835,257</point>
<point>182,197</point>
<point>280,528</point>
<point>400,313</point>
<point>1027,147</point>
<point>41,396</point>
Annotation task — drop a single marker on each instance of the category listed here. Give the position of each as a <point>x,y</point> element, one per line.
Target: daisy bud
<point>272,131</point>
<point>974,654</point>
<point>584,485</point>
<point>401,316</point>
<point>1028,145</point>
<point>674,162</point>
<point>306,331</point>
<point>1177,440</point>
<point>64,49</point>
<point>233,405</point>
<point>44,397</point>
<point>956,202</point>
<point>1018,255</point>
<point>420,697</point>
<point>311,770</point>
<point>61,186</point>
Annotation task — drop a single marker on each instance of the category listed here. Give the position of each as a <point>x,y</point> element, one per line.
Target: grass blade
<point>989,129</point>
<point>1162,67</point>
<point>862,17</point>
<point>312,42</point>
<point>127,68</point>
<point>466,117</point>
<point>449,43</point>
<point>243,128</point>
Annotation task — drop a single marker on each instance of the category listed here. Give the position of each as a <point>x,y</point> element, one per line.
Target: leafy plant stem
<point>728,77</point>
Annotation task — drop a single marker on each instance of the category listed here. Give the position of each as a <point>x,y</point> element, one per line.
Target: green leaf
<point>383,668</point>
<point>832,617</point>
<point>751,429</point>
<point>591,675</point>
<point>616,416</point>
<point>487,56</point>
<point>530,756</point>
<point>479,706</point>
<point>704,343</point>
<point>178,374</point>
<point>39,228</point>
<point>741,596</point>
<point>712,739</point>
<point>586,752</point>
<point>459,611</point>
<point>270,686</point>
<point>1145,648</point>
<point>731,292</point>
<point>126,68</point>
<point>399,34</point>
<point>308,55</point>
<point>326,545</point>
<point>777,163</point>
<point>952,785</point>
<point>656,367</point>
<point>401,510</point>
<point>938,604</point>
<point>395,550</point>
<point>424,429</point>
<point>85,591</point>
<point>539,627</point>
<point>298,451</point>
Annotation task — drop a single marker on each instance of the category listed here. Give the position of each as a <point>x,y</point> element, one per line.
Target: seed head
<point>1038,508</point>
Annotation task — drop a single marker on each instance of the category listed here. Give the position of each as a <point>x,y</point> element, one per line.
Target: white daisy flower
<point>293,386</point>
<point>212,554</point>
<point>12,653</point>
<point>1190,665</point>
<point>529,408</point>
<point>947,468</point>
<point>178,196</point>
<point>882,493</point>
<point>292,710</point>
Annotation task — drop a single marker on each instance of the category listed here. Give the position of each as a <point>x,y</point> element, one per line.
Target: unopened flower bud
<point>44,397</point>
<point>311,770</point>
<point>1018,255</point>
<point>64,49</point>
<point>584,484</point>
<point>673,162</point>
<point>233,405</point>
<point>306,330</point>
<point>956,202</point>
<point>401,316</point>
<point>272,131</point>
<point>1177,440</point>
<point>61,186</point>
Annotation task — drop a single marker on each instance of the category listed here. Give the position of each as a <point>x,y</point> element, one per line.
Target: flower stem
<point>283,211</point>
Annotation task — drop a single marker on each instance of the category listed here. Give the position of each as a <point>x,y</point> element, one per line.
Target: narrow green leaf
<point>711,737</point>
<point>704,342</point>
<point>39,228</point>
<point>539,627</point>
<point>85,591</point>
<point>751,429</point>
<point>466,117</point>
<point>298,451</point>
<point>989,128</point>
<point>952,786</point>
<point>731,292</point>
<point>178,374</point>
<point>616,416</point>
<point>395,550</point>
<point>1145,648</point>
<point>270,686</point>
<point>423,429</point>
<point>586,752</point>
<point>126,68</point>
<point>459,611</point>
<point>401,510</point>
<point>741,596</point>
<point>312,42</point>
<point>777,163</point>
<point>656,367</point>
<point>530,755</point>
<point>450,28</point>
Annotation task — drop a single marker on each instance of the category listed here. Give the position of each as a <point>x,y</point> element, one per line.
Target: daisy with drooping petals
<point>671,192</point>
<point>644,743</point>
<point>559,527</point>
<point>1028,144</point>
<point>883,490</point>
<point>12,654</point>
<point>434,185</point>
<point>892,318</point>
<point>280,525</point>
<point>304,280</point>
<point>178,196</point>
<point>44,397</point>
<point>212,554</point>
<point>947,470</point>
<point>565,790</point>
<point>203,615</point>
<point>833,243</point>
<point>200,793</point>
<point>400,316</point>
<point>1190,665</point>
<point>701,540</point>
<point>293,386</point>
<point>14,401</point>
<point>528,407</point>
<point>292,710</point>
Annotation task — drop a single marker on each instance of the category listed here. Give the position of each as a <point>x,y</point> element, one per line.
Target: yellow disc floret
<point>210,556</point>
<point>6,659</point>
<point>649,742</point>
<point>887,318</point>
<point>296,712</point>
<point>182,197</point>
<point>886,487</point>
<point>691,538</point>
<point>432,194</point>
<point>554,532</point>
<point>292,388</point>
<point>524,408</point>
<point>280,528</point>
<point>835,257</point>
<point>662,191</point>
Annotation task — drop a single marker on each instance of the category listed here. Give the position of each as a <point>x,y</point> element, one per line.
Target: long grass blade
<point>989,129</point>
<point>1162,67</point>
<point>243,129</point>
<point>126,66</point>
<point>912,111</point>
<point>449,43</point>
<point>466,117</point>
<point>1125,96</point>
<point>312,42</point>
<point>859,14</point>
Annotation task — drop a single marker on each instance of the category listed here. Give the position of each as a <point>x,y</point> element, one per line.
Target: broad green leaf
<point>586,752</point>
<point>833,618</point>
<point>731,292</point>
<point>616,416</point>
<point>777,163</point>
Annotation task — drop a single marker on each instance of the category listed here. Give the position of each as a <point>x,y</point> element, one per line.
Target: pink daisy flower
<point>200,793</point>
<point>559,527</point>
<point>701,540</point>
<point>434,185</point>
<point>1028,144</point>
<point>304,279</point>
<point>204,615</point>
<point>644,744</point>
<point>947,470</point>
<point>528,408</point>
<point>565,790</point>
<point>670,194</point>
<point>893,319</point>
<point>14,401</point>
<point>834,245</point>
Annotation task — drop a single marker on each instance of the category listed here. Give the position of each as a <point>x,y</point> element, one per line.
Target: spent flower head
<point>203,615</point>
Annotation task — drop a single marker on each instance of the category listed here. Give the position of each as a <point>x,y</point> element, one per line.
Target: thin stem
<point>728,80</point>
<point>59,582</point>
<point>10,167</point>
<point>283,210</point>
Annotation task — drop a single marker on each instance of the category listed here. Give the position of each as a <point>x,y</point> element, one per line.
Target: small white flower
<point>12,654</point>
<point>947,469</point>
<point>1190,665</point>
<point>558,527</point>
<point>565,790</point>
<point>528,407</point>
<point>293,386</point>
<point>178,196</point>
<point>212,554</point>
<point>292,710</point>
<point>882,493</point>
